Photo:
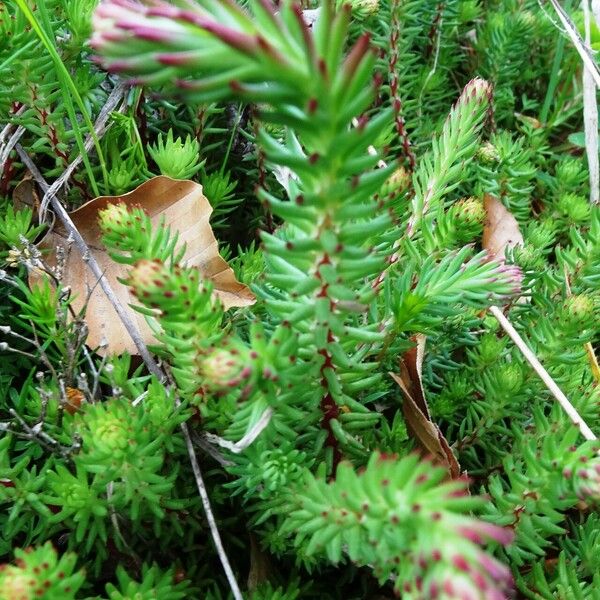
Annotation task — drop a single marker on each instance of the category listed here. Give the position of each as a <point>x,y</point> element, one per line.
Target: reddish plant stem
<point>52,134</point>
<point>201,118</point>
<point>328,405</point>
<point>395,89</point>
<point>490,119</point>
<point>142,119</point>
<point>329,408</point>
<point>434,29</point>
<point>262,184</point>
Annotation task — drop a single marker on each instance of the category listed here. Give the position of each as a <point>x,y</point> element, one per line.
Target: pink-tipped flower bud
<point>223,368</point>
<point>147,277</point>
<point>114,217</point>
<point>477,89</point>
<point>585,478</point>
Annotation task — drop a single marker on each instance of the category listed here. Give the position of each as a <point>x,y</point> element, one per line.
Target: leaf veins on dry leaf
<point>186,210</point>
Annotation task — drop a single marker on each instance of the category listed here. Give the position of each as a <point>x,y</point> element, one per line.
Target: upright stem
<point>395,88</point>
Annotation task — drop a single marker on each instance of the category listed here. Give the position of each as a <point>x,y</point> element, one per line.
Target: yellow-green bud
<point>470,210</point>
<point>510,377</point>
<point>490,348</point>
<point>17,584</point>
<point>361,9</point>
<point>120,178</point>
<point>112,432</point>
<point>397,183</point>
<point>579,310</point>
<point>541,234</point>
<point>114,216</point>
<point>147,276</point>
<point>575,207</point>
<point>487,154</point>
<point>528,257</point>
<point>569,171</point>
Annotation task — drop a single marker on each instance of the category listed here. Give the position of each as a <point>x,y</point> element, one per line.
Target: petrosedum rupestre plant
<point>340,282</point>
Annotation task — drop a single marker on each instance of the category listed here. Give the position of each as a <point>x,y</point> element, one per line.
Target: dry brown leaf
<point>184,209</point>
<point>501,230</point>
<point>416,410</point>
<point>75,398</point>
<point>411,373</point>
<point>260,565</point>
<point>25,195</point>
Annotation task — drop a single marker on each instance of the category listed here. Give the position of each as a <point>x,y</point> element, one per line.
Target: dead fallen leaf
<point>75,397</point>
<point>260,565</point>
<point>25,195</point>
<point>411,374</point>
<point>501,229</point>
<point>186,210</point>
<point>416,410</point>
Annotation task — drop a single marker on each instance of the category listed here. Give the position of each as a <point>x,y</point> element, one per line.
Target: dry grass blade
<point>532,359</point>
<point>7,145</point>
<point>590,119</point>
<point>582,48</point>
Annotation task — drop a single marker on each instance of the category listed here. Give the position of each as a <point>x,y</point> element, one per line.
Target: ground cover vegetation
<point>334,407</point>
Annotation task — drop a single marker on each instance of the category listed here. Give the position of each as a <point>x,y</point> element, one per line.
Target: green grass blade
<point>68,88</point>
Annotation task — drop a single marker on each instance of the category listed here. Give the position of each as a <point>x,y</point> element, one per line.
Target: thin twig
<point>237,594</point>
<point>582,48</point>
<point>596,11</point>
<point>12,142</point>
<point>201,441</point>
<point>532,359</point>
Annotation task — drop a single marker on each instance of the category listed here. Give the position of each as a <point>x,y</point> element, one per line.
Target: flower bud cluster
<point>40,573</point>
